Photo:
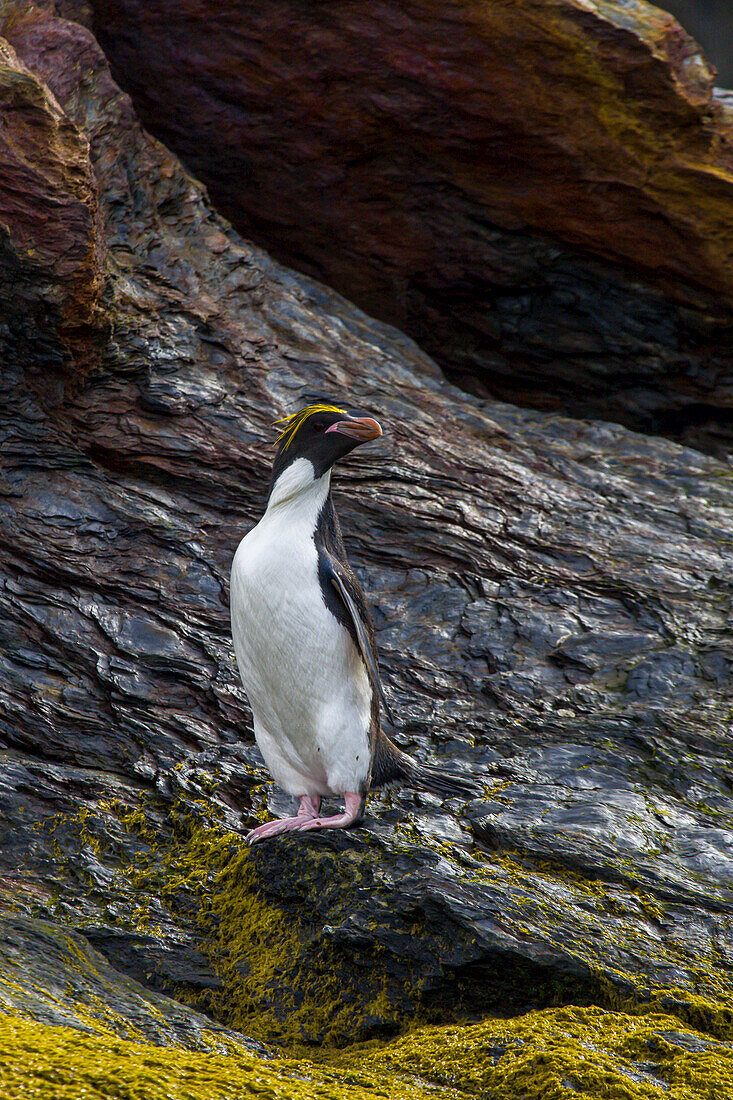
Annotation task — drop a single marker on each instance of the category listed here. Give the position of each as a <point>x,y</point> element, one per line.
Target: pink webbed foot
<point>308,810</point>
<point>354,810</point>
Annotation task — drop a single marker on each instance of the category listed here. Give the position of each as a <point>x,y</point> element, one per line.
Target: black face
<point>323,436</point>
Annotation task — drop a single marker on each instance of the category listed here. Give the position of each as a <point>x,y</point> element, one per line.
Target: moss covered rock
<point>544,1056</point>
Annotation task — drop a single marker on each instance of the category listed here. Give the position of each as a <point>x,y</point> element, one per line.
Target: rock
<point>54,976</point>
<point>552,604</point>
<point>541,195</point>
<point>711,23</point>
<point>52,242</point>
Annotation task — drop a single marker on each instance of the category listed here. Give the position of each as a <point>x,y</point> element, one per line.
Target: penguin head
<point>320,434</point>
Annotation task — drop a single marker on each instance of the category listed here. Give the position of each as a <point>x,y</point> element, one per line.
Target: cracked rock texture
<point>540,193</point>
<point>552,601</point>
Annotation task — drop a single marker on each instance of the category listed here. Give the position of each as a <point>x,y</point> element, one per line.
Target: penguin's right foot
<point>352,814</point>
<point>308,811</point>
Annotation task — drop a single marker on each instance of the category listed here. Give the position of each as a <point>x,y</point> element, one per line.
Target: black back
<point>331,552</point>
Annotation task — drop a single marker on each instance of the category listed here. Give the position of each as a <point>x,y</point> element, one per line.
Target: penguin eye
<point>318,427</point>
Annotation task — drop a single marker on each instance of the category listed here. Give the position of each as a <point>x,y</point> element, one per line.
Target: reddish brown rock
<point>52,272</point>
<point>541,193</point>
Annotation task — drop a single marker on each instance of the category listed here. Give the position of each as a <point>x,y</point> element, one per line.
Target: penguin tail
<point>437,782</point>
<point>390,765</point>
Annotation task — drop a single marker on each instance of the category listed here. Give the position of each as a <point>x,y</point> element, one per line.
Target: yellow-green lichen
<point>281,984</point>
<point>704,1013</point>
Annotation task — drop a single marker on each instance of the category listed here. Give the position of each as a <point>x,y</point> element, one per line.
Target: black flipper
<point>339,580</point>
<point>391,765</point>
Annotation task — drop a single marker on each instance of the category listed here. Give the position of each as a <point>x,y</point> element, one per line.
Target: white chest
<point>305,680</point>
<point>279,620</point>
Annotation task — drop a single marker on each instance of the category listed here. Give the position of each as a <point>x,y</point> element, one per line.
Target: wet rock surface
<point>540,194</point>
<point>52,975</point>
<point>552,600</point>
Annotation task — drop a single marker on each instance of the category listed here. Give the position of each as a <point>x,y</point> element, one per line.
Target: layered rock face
<point>540,194</point>
<point>552,601</point>
<point>52,245</point>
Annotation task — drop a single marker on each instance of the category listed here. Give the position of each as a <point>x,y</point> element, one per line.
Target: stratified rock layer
<point>540,193</point>
<point>552,602</point>
<point>51,244</point>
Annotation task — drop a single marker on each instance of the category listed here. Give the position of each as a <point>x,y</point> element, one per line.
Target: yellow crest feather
<point>293,423</point>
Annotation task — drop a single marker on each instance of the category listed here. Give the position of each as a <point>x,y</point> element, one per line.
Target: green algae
<point>548,1055</point>
<point>280,982</point>
<point>705,1014</point>
<point>558,1053</point>
<point>284,982</point>
<point>706,1004</point>
<point>59,1063</point>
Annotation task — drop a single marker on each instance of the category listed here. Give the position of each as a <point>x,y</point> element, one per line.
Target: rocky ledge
<point>552,600</point>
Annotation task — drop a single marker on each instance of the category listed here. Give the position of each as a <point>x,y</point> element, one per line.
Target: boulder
<point>540,194</point>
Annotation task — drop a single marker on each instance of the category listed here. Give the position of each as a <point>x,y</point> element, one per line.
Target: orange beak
<point>362,428</point>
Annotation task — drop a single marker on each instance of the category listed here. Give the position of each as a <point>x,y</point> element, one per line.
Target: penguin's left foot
<point>308,811</point>
<point>353,812</point>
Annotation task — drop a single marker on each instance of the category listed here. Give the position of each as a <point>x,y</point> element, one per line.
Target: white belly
<point>304,677</point>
